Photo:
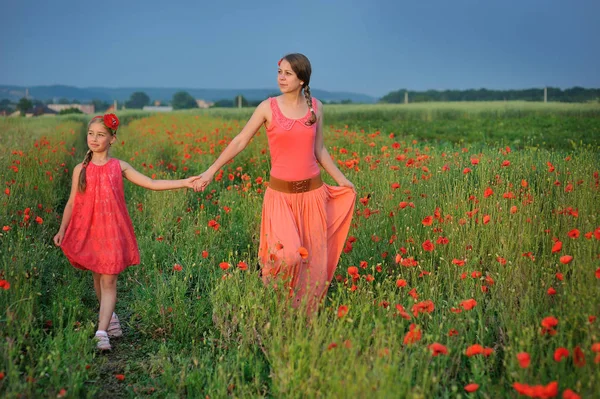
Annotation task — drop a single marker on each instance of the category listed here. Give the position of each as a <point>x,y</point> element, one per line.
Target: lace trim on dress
<point>284,122</point>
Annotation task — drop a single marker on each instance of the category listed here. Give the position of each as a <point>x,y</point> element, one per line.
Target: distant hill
<point>86,94</point>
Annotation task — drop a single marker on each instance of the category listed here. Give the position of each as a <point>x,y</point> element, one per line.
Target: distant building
<point>40,110</point>
<point>85,108</point>
<point>158,108</point>
<point>204,104</point>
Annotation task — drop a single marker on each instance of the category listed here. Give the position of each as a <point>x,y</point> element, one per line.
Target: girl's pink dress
<point>317,220</point>
<point>100,234</point>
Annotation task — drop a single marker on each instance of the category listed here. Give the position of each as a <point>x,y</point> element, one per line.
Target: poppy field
<point>472,267</point>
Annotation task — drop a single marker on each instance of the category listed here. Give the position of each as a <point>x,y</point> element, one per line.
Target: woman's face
<point>287,79</point>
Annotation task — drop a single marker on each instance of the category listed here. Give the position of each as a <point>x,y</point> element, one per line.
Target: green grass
<point>518,124</point>
<point>204,331</point>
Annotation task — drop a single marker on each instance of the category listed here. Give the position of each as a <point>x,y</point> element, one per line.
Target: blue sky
<point>370,47</point>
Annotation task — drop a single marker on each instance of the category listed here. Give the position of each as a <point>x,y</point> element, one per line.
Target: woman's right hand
<point>58,238</point>
<point>203,180</point>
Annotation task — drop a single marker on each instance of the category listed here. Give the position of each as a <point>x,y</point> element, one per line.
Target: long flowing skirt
<point>301,238</point>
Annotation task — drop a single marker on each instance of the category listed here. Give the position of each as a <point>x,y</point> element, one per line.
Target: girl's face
<point>99,138</point>
<point>287,79</point>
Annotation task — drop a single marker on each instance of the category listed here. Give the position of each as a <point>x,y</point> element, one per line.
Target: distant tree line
<point>184,100</point>
<point>572,95</point>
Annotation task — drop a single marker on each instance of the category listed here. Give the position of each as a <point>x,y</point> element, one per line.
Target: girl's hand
<point>203,180</point>
<point>347,183</point>
<point>189,182</point>
<point>58,238</point>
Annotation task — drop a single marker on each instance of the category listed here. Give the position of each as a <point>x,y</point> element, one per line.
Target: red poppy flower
<point>342,311</point>
<point>413,293</point>
<point>468,304</point>
<point>402,312</point>
<point>537,391</point>
<point>120,377</point>
<point>242,265</point>
<point>303,252</point>
<point>548,325</point>
<point>177,267</point>
<point>473,350</point>
<point>488,192</point>
<point>569,394</point>
<point>413,335</point>
<point>557,246</point>
<point>578,357</point>
<point>423,307</point>
<point>524,359</point>
<point>438,349</point>
<point>566,259</point>
<point>471,387</point>
<point>427,221</point>
<point>458,262</point>
<point>573,233</point>
<point>442,240</point>
<point>224,265</point>
<point>401,283</point>
<point>428,246</point>
<point>560,353</point>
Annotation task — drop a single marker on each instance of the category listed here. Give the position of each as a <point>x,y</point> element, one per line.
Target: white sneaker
<point>114,328</point>
<point>102,342</point>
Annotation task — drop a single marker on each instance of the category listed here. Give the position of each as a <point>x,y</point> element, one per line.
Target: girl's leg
<point>108,286</point>
<point>97,286</point>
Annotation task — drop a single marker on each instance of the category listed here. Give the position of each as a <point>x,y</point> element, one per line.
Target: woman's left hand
<point>347,183</point>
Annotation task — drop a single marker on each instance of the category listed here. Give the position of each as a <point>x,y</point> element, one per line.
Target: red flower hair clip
<point>279,62</point>
<point>111,121</point>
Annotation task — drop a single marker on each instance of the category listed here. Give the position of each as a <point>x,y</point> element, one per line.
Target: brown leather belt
<point>299,186</point>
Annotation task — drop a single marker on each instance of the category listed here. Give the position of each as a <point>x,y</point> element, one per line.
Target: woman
<point>304,222</point>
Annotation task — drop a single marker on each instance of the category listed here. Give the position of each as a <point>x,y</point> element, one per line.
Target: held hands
<point>58,238</point>
<point>202,181</point>
<point>190,181</point>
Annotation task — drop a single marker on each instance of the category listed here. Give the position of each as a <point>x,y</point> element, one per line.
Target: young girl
<point>96,232</point>
<point>304,222</point>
